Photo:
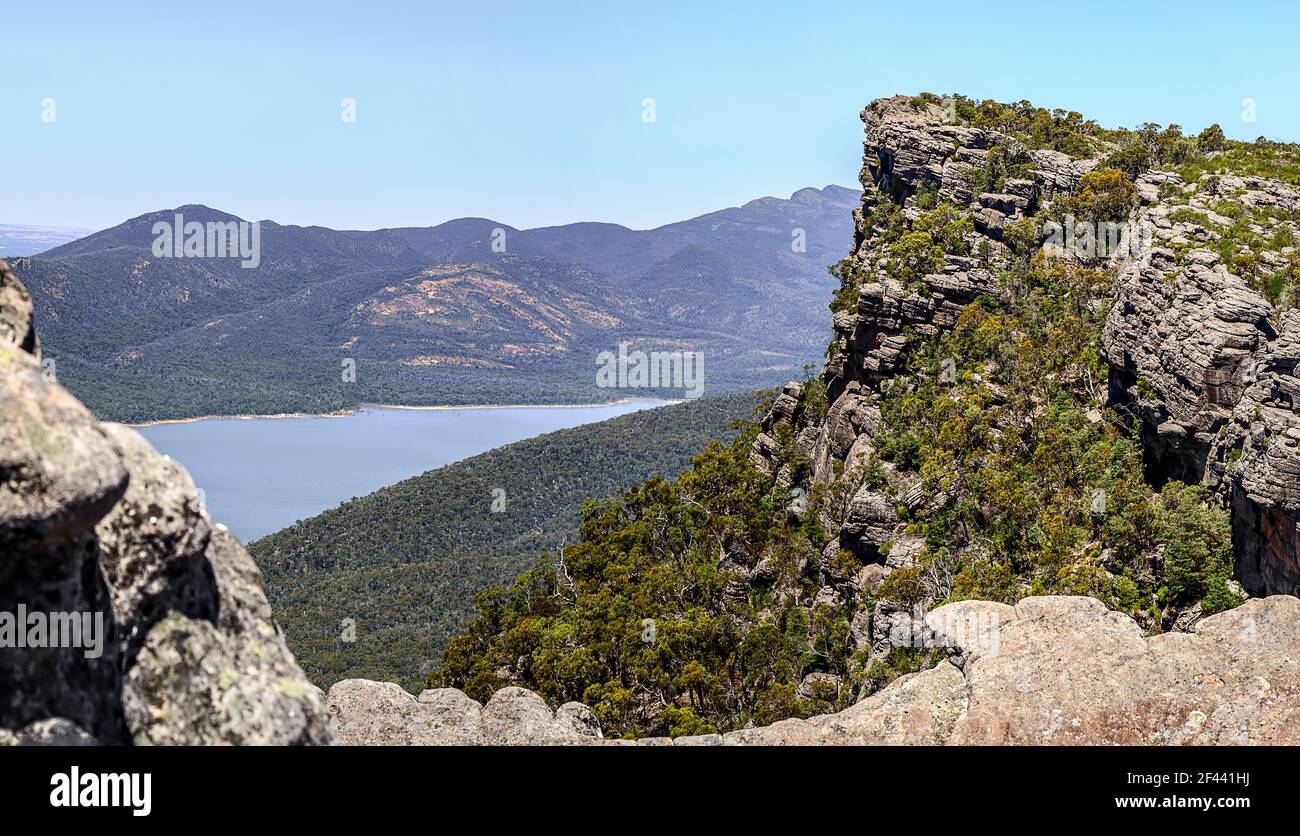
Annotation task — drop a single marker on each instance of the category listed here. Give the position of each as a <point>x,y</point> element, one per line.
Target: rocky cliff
<point>1220,361</point>
<point>176,643</point>
<point>1200,362</point>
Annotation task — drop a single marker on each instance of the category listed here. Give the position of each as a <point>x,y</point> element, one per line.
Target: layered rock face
<point>1264,484</point>
<point>1203,362</point>
<point>1209,366</point>
<point>1048,671</point>
<point>908,149</point>
<point>175,642</point>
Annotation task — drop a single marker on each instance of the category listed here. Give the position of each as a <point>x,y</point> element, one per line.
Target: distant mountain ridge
<point>432,315</point>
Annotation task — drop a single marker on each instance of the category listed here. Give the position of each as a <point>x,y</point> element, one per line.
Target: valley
<point>403,566</point>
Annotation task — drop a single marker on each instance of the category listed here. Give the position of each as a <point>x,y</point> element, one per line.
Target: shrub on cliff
<point>1105,194</point>
<point>920,251</point>
<point>1198,547</point>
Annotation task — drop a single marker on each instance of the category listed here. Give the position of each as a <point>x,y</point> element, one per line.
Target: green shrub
<point>1104,194</point>
<point>1198,543</point>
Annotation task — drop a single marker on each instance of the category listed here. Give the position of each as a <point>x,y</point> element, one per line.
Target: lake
<point>259,475</point>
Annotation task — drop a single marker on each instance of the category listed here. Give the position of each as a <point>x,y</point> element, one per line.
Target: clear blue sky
<point>530,113</point>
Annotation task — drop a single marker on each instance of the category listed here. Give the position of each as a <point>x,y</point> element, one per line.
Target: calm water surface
<point>262,474</point>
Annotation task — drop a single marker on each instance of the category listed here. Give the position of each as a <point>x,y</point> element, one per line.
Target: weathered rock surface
<point>382,714</point>
<point>1200,361</point>
<point>16,326</point>
<point>1208,366</point>
<point>1263,484</point>
<point>55,732</point>
<point>1048,671</point>
<point>1064,670</point>
<point>94,521</point>
<point>917,709</point>
<point>61,472</point>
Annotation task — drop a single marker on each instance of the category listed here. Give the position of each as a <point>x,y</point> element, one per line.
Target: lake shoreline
<point>344,413</point>
<point>260,476</point>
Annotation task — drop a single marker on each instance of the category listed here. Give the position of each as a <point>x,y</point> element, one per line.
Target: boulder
<point>1067,671</point>
<point>517,716</point>
<point>192,684</point>
<point>16,325</point>
<point>181,648</point>
<point>579,718</point>
<point>61,471</point>
<point>383,714</point>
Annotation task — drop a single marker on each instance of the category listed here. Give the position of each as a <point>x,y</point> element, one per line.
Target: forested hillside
<point>405,562</point>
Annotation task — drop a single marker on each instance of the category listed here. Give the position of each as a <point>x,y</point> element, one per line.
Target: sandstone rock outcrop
<point>383,714</point>
<point>1208,365</point>
<point>179,645</point>
<point>1263,484</point>
<point>1200,361</point>
<point>1048,671</point>
<point>1064,670</point>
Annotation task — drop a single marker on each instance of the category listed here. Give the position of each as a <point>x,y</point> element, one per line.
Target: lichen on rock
<point>93,520</point>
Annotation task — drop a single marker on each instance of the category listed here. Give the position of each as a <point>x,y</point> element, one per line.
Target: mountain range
<point>469,311</point>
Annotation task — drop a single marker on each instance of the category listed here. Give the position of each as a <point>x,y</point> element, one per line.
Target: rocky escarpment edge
<point>1049,670</point>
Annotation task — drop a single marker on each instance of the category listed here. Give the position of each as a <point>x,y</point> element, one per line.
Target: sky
<point>536,114</point>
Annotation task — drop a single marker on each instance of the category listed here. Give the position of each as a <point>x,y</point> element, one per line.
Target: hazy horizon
<point>16,225</point>
<point>540,116</point>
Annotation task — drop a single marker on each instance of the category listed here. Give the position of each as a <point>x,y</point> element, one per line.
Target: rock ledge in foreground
<point>1050,670</point>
